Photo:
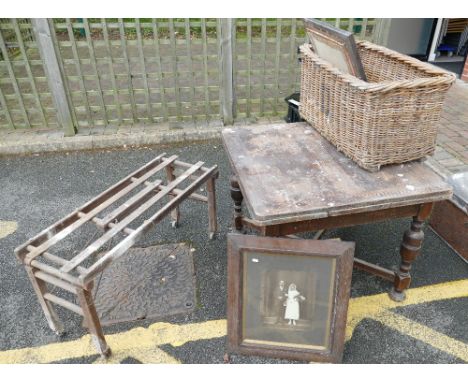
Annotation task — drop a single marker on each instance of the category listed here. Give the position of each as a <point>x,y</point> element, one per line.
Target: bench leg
<point>212,220</point>
<point>92,321</point>
<point>175,213</point>
<point>40,287</point>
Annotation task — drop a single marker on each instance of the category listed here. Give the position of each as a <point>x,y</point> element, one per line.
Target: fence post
<point>382,28</point>
<point>55,78</point>
<point>227,96</point>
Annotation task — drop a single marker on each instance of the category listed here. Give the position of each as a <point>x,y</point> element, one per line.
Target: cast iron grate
<point>152,282</point>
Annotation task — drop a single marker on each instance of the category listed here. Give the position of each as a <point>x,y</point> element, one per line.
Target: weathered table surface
<point>288,172</point>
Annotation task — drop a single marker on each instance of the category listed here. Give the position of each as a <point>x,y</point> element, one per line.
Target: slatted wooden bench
<point>154,190</point>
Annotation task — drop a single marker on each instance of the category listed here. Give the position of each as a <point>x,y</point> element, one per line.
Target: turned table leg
<point>237,197</point>
<point>409,250</point>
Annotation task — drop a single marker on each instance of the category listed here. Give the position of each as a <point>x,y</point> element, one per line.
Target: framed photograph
<point>336,46</point>
<point>288,298</point>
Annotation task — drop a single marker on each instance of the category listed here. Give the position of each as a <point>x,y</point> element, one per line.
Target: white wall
<point>410,36</point>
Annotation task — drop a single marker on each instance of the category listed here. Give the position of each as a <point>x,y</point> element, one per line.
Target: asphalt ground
<point>35,191</point>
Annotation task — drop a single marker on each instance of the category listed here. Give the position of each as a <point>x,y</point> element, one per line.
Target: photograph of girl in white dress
<point>287,299</point>
<point>275,287</point>
<point>293,297</point>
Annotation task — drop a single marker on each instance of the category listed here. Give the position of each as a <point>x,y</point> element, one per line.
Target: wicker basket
<point>393,118</point>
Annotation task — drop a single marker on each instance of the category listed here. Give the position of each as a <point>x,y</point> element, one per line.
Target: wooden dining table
<point>292,180</point>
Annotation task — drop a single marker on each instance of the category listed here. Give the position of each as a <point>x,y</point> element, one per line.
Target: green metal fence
<point>83,73</point>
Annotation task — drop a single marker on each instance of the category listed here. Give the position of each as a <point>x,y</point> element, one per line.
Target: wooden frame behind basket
<point>329,43</point>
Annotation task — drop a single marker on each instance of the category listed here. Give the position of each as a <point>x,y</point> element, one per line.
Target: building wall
<point>464,75</point>
<point>410,36</point>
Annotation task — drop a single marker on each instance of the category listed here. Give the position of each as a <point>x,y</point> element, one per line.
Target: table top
<point>287,172</point>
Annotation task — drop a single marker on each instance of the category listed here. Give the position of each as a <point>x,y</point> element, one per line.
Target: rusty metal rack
<point>126,203</point>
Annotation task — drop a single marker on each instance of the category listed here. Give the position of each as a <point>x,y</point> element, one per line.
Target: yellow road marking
<point>139,340</point>
<point>153,355</point>
<point>142,343</point>
<point>372,306</point>
<point>7,228</point>
<point>425,334</point>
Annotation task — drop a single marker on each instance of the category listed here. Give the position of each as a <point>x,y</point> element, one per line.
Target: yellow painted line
<point>372,306</point>
<point>153,355</point>
<point>139,340</point>
<point>7,228</point>
<point>425,334</point>
<point>143,343</point>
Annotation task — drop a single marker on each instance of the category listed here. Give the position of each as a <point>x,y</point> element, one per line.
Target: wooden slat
<point>188,44</point>
<point>56,272</point>
<point>226,89</point>
<point>115,90</point>
<point>177,191</point>
<point>76,59</point>
<point>294,66</point>
<point>94,247</point>
<point>30,75</point>
<point>194,196</point>
<point>62,302</point>
<point>220,66</point>
<point>89,215</point>
<point>14,83</point>
<point>92,56</point>
<point>174,68</point>
<point>175,213</point>
<point>128,231</point>
<point>262,79</point>
<point>233,71</point>
<point>162,90</point>
<point>179,163</point>
<point>363,28</point>
<point>58,260</point>
<point>123,43</point>
<point>55,281</point>
<point>71,218</point>
<point>205,66</point>
<point>374,269</point>
<point>249,67</point>
<point>141,56</point>
<point>97,221</point>
<point>129,241</point>
<point>130,204</point>
<point>277,64</point>
<point>6,110</point>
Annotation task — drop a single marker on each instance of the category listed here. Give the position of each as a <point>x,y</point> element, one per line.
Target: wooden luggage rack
<point>141,191</point>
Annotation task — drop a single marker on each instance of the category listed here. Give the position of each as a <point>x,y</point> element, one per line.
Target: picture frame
<point>336,46</point>
<point>288,298</point>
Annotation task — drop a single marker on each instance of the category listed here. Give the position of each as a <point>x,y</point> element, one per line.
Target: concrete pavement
<point>37,190</point>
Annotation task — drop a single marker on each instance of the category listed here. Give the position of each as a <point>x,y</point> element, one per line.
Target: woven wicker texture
<point>393,118</point>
